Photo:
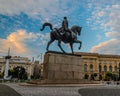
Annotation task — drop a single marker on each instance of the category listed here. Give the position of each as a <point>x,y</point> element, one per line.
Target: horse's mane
<point>76,28</point>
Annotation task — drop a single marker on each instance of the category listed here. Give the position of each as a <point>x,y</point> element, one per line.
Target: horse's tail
<point>46,24</point>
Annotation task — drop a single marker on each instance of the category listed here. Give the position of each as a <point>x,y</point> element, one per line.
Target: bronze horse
<point>55,34</point>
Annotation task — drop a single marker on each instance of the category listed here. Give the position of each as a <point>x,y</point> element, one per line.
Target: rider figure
<point>65,26</point>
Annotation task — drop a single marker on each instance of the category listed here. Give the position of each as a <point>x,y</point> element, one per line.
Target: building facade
<point>99,64</point>
<point>92,63</point>
<point>18,61</point>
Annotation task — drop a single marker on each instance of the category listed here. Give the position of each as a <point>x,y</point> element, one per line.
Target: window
<point>115,68</point>
<point>105,68</point>
<point>91,60</point>
<point>85,67</point>
<point>91,67</point>
<point>84,60</point>
<point>115,62</point>
<point>100,68</point>
<point>100,62</point>
<point>110,68</point>
<point>104,61</point>
<point>110,62</point>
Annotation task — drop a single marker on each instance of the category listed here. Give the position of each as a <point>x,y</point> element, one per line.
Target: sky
<point>21,20</point>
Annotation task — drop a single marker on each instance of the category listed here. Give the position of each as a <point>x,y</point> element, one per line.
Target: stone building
<point>94,63</point>
<point>18,61</point>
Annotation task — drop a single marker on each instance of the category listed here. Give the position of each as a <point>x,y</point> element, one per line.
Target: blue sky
<point>20,21</point>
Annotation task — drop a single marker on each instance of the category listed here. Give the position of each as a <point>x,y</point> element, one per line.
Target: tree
<point>37,71</point>
<point>115,77</point>
<point>22,73</point>
<point>1,75</point>
<point>108,76</point>
<point>119,71</point>
<point>18,72</point>
<point>10,72</point>
<point>95,74</point>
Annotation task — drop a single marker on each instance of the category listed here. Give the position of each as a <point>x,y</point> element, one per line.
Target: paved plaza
<point>77,90</point>
<point>7,91</point>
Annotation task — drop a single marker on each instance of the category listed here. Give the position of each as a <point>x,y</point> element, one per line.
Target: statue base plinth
<point>62,68</point>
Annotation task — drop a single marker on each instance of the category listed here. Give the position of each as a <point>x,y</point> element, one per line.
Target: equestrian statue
<point>63,34</point>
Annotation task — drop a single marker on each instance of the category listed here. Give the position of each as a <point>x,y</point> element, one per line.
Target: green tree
<point>10,72</point>
<point>115,77</point>
<point>108,76</point>
<point>1,75</point>
<point>18,72</point>
<point>95,74</point>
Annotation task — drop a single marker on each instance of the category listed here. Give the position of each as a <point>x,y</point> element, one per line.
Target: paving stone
<point>83,90</point>
<point>45,91</point>
<point>99,92</point>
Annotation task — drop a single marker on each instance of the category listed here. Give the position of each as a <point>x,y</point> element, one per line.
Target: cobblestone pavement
<point>45,91</point>
<point>106,90</point>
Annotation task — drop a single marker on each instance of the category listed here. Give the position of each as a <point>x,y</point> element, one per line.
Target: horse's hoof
<point>64,52</point>
<point>79,48</point>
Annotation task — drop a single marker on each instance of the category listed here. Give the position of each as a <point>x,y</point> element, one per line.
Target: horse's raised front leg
<point>77,41</point>
<point>59,44</point>
<point>71,46</point>
<point>49,44</point>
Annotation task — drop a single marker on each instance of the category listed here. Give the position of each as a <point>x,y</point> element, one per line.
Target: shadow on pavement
<point>7,91</point>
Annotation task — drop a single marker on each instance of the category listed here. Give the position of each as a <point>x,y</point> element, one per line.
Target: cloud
<point>14,40</point>
<point>100,14</point>
<point>107,47</point>
<point>37,8</point>
<point>113,34</point>
<point>22,42</point>
<point>111,25</point>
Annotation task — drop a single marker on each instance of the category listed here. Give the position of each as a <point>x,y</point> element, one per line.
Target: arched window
<point>115,68</point>
<point>100,68</point>
<point>85,67</point>
<point>110,68</point>
<point>105,68</point>
<point>91,67</point>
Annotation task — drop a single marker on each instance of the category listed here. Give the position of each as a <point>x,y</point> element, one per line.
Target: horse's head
<point>79,30</point>
<point>76,29</point>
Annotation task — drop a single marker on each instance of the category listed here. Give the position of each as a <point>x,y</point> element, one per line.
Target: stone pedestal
<point>62,68</point>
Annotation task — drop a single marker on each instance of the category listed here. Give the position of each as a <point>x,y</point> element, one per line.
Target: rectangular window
<point>91,60</point>
<point>84,60</point>
<point>110,62</point>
